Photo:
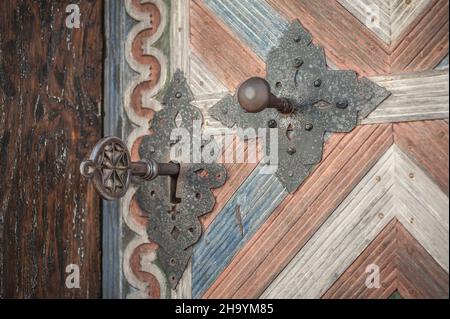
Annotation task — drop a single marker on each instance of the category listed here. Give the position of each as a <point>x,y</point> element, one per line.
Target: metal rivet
<point>278,85</point>
<point>178,95</point>
<point>317,83</point>
<point>378,179</point>
<point>291,150</point>
<point>298,39</point>
<point>309,127</point>
<point>342,104</point>
<point>298,62</point>
<point>272,124</point>
<point>291,174</point>
<point>411,175</point>
<point>381,215</point>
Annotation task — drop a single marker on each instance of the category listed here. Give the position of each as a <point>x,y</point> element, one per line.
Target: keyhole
<point>290,132</point>
<point>178,120</point>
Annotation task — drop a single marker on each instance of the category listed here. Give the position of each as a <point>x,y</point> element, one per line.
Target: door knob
<point>254,96</point>
<point>311,100</point>
<point>110,168</point>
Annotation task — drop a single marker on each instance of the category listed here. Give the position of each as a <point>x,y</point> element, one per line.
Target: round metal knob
<point>254,96</point>
<point>110,168</point>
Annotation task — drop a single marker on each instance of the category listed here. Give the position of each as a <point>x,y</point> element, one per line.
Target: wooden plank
<point>342,238</point>
<point>239,220</point>
<point>374,14</point>
<point>50,116</point>
<point>255,22</point>
<point>203,82</point>
<point>112,126</point>
<point>387,191</point>
<point>180,37</point>
<point>415,96</point>
<point>237,173</point>
<point>416,266</point>
<point>403,14</point>
<point>422,208</point>
<point>388,19</point>
<point>425,44</point>
<point>381,252</point>
<point>348,43</point>
<point>427,144</point>
<point>443,65</point>
<point>225,55</point>
<point>259,261</point>
<point>397,254</point>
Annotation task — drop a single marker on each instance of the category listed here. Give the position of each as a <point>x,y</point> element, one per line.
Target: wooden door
<point>50,116</point>
<point>377,203</point>
<point>371,221</point>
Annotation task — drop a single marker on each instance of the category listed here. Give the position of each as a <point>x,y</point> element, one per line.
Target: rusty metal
<point>173,215</point>
<point>172,195</point>
<point>254,96</point>
<point>322,100</point>
<point>110,168</point>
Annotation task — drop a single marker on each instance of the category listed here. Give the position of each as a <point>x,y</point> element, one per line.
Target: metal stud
<point>272,124</point>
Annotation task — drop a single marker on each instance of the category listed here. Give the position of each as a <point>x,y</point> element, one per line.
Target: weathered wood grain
<point>113,120</point>
<point>224,54</point>
<point>387,18</point>
<point>426,142</point>
<point>388,191</point>
<point>351,45</point>
<point>50,116</point>
<point>253,21</point>
<point>249,207</point>
<point>422,208</point>
<point>342,238</point>
<point>415,96</point>
<point>347,43</point>
<point>404,266</point>
<point>425,43</point>
<point>300,214</point>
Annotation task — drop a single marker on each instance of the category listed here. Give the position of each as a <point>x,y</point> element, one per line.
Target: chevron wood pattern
<point>257,232</point>
<point>387,18</point>
<point>387,191</point>
<point>404,266</point>
<point>426,142</point>
<point>355,152</point>
<point>377,197</point>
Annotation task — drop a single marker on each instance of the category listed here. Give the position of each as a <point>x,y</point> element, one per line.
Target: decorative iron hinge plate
<point>174,222</point>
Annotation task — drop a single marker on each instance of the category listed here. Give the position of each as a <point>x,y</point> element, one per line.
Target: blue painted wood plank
<point>255,22</point>
<point>444,64</point>
<point>115,35</point>
<point>257,198</point>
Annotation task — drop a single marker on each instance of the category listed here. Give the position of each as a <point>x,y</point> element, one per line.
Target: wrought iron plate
<point>325,101</point>
<point>174,224</point>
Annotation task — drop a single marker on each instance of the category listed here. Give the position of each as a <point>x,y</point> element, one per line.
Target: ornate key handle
<point>110,168</point>
<point>173,204</point>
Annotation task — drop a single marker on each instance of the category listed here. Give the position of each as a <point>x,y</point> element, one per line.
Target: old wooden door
<point>51,73</point>
<point>370,222</point>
